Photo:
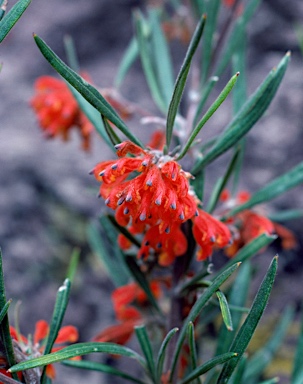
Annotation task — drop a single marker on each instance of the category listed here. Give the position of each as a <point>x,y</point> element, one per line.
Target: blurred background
<point>47,196</point>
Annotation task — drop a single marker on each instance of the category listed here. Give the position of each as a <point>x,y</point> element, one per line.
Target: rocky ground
<point>46,194</point>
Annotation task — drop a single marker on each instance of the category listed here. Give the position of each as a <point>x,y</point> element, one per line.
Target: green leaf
<point>229,356</point>
<point>225,311</point>
<point>146,348</point>
<point>162,58</point>
<point>248,115</point>
<point>5,336</point>
<point>104,244</point>
<point>212,109</point>
<point>237,298</point>
<point>129,57</point>
<point>246,332</point>
<point>73,264</point>
<point>289,214</point>
<point>86,90</point>
<point>140,278</point>
<point>79,349</point>
<point>71,53</point>
<point>237,376</point>
<point>3,5</point>
<point>239,65</point>
<point>197,308</point>
<point>207,88</point>
<point>263,357</point>
<point>236,36</point>
<point>143,34</point>
<point>274,380</point>
<point>273,189</point>
<point>111,134</point>
<point>4,310</point>
<point>58,315</point>
<point>93,366</point>
<point>93,116</point>
<point>297,370</point>
<point>181,80</point>
<point>162,352</point>
<point>11,18</point>
<point>212,11</point>
<point>221,183</point>
<point>251,249</point>
<point>192,348</point>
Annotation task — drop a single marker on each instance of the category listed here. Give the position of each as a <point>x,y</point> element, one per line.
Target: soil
<point>47,197</point>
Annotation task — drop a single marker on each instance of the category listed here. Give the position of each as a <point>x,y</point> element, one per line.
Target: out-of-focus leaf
<point>124,231</point>
<point>79,349</point>
<point>236,35</point>
<point>109,254</point>
<point>221,183</point>
<point>181,80</point>
<point>297,369</point>
<point>289,214</point>
<point>130,55</point>
<point>93,366</point>
<point>163,65</point>
<point>90,93</point>
<point>73,265</point>
<point>251,111</point>
<point>140,278</point>
<point>211,110</point>
<point>260,360</point>
<point>143,38</point>
<point>275,188</point>
<point>246,332</point>
<point>10,19</point>
<point>207,88</point>
<point>196,309</point>
<point>212,11</point>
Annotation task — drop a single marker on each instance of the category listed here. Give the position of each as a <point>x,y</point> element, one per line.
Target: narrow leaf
<point>273,189</point>
<point>251,249</point>
<point>146,348</point>
<point>71,53</point>
<point>181,80</point>
<point>192,348</point>
<point>289,214</point>
<point>229,356</point>
<point>93,366</point>
<point>297,370</point>
<point>79,349</point>
<point>130,55</point>
<point>5,335</point>
<point>111,134</point>
<point>108,254</point>
<point>221,183</point>
<point>197,308</point>
<point>207,88</point>
<point>212,109</point>
<point>146,60</point>
<point>4,310</point>
<point>263,357</point>
<point>162,58</point>
<point>225,311</point>
<point>86,90</point>
<point>58,315</point>
<point>246,332</point>
<point>124,231</point>
<point>11,18</point>
<point>73,265</point>
<point>162,352</point>
<point>248,115</point>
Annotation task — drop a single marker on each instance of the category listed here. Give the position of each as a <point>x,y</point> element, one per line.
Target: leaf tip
<point>237,74</point>
<point>288,53</point>
<point>204,16</point>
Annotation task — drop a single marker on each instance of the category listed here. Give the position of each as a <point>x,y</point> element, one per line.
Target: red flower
<point>209,233</point>
<point>58,111</point>
<point>67,334</point>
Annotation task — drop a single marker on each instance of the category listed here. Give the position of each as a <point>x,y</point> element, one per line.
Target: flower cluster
<point>58,111</point>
